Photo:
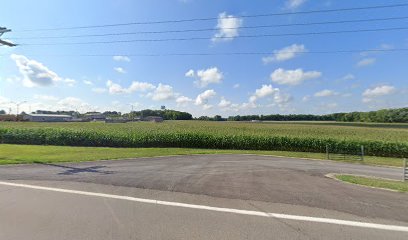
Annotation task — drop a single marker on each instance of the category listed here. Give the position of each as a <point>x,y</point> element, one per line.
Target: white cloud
<point>285,53</point>
<point>190,73</point>
<point>70,82</point>
<point>366,62</point>
<point>183,100</point>
<point>45,97</point>
<point>99,90</point>
<point>73,103</point>
<point>207,76</point>
<point>265,90</point>
<point>277,97</point>
<point>348,77</point>
<point>293,4</point>
<point>119,70</point>
<point>34,73</point>
<point>325,93</point>
<point>224,103</point>
<point>87,82</point>
<point>371,93</point>
<point>293,77</point>
<point>163,92</point>
<point>121,58</point>
<point>228,27</point>
<point>236,85</point>
<point>203,98</point>
<point>306,98</point>
<point>115,88</point>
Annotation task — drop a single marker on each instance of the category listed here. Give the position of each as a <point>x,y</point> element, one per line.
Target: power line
<point>223,37</point>
<point>215,18</point>
<point>231,53</point>
<point>214,29</point>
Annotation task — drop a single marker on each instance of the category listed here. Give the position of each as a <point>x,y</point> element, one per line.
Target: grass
<point>14,154</point>
<point>375,182</point>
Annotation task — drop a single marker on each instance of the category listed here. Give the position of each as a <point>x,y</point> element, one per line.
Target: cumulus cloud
<point>277,97</point>
<point>190,73</point>
<point>163,92</point>
<point>70,82</point>
<point>325,93</point>
<point>34,73</point>
<point>285,53</point>
<point>371,93</point>
<point>293,77</point>
<point>206,76</point>
<point>73,103</point>
<point>294,4</point>
<point>115,88</point>
<point>119,70</point>
<point>121,58</point>
<point>366,62</point>
<point>228,27</point>
<point>183,100</point>
<point>87,82</point>
<point>203,98</point>
<point>224,103</point>
<point>264,91</point>
<point>236,85</point>
<point>348,77</point>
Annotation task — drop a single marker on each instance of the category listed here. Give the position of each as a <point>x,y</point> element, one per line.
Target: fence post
<point>404,171</point>
<point>362,153</point>
<point>327,152</point>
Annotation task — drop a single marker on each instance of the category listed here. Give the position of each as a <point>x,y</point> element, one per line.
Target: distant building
<point>47,118</point>
<point>116,120</point>
<point>153,119</point>
<point>95,117</point>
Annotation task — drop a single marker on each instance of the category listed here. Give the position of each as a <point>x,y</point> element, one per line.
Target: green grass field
<point>375,182</point>
<point>387,140</point>
<point>14,154</point>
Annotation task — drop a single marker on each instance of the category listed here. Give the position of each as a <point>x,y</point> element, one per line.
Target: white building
<point>47,118</point>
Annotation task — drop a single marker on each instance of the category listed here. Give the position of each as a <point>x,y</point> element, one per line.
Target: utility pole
<point>18,107</point>
<point>3,42</point>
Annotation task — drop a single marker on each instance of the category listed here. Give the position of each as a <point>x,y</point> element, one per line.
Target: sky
<point>227,59</point>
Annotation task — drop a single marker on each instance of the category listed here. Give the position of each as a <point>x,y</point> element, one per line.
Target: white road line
<point>218,209</point>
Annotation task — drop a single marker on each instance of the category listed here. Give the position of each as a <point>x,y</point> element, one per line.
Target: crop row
<point>70,137</point>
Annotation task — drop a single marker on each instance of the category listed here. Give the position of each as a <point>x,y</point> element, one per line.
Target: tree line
<point>399,115</point>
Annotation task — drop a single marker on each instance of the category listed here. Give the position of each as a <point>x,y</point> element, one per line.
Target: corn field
<point>390,140</point>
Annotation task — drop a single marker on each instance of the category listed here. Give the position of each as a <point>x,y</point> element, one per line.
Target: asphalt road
<point>256,183</point>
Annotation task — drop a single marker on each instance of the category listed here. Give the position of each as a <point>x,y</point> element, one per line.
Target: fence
<point>405,171</point>
<point>339,154</point>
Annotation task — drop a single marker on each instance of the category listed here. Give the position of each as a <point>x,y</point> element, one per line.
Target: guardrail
<point>405,171</point>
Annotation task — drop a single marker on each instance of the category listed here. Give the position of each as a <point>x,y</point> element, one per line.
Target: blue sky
<point>293,78</point>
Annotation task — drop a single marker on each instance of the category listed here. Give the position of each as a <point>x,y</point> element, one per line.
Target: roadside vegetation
<point>375,182</point>
<point>384,140</point>
<point>14,154</point>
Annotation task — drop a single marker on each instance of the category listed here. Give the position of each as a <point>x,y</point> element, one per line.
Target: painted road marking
<point>218,209</point>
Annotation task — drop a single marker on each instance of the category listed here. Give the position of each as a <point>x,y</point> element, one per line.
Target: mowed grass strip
<point>375,182</point>
<point>16,154</point>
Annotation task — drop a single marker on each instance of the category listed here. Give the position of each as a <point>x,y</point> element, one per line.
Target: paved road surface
<point>256,183</point>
